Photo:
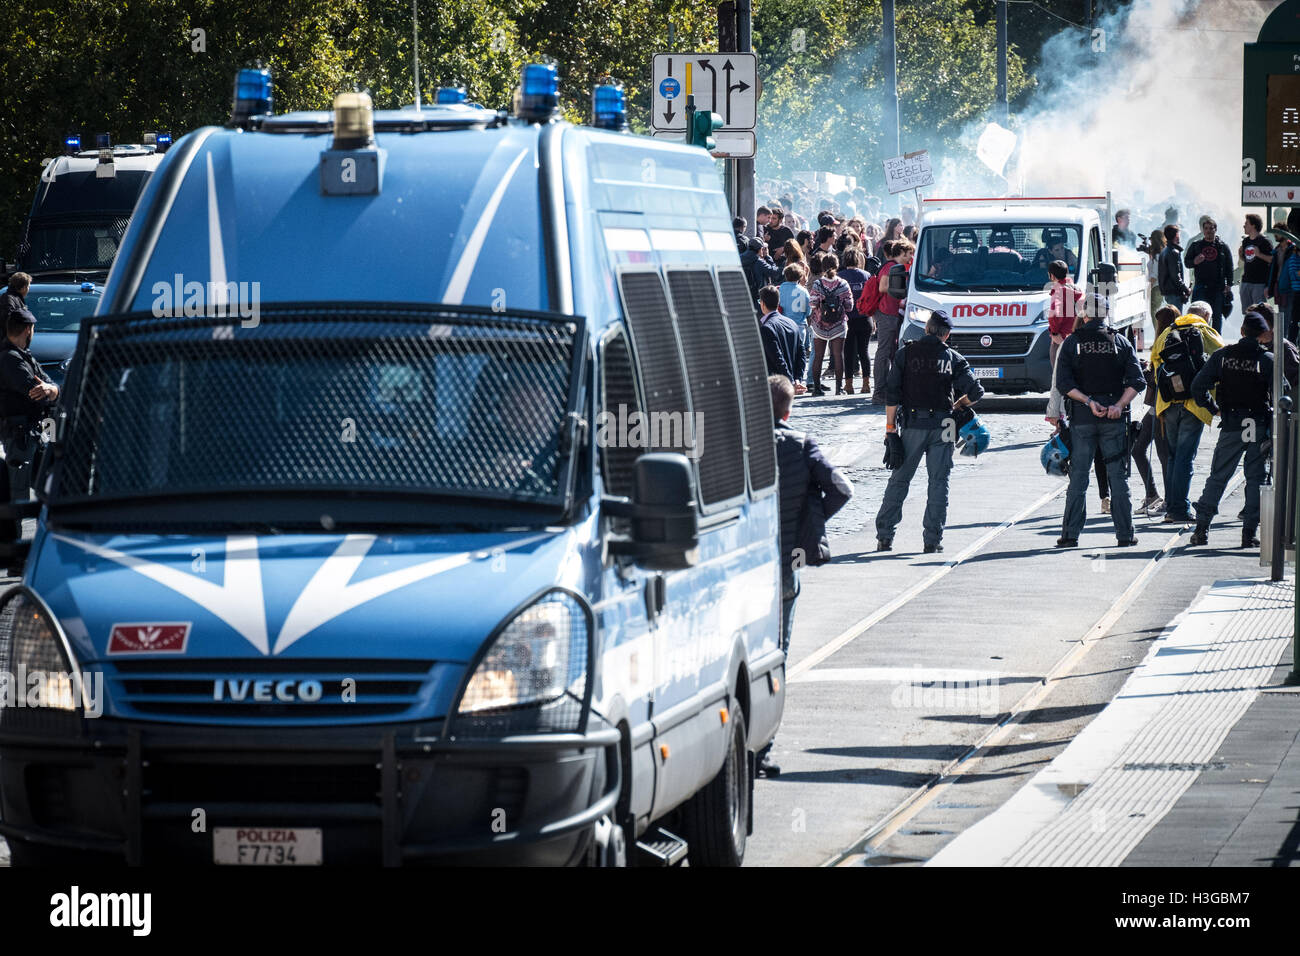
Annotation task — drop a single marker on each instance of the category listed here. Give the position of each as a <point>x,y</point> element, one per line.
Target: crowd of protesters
<point>829,278</point>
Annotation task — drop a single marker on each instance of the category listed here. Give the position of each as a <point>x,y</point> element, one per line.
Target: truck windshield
<point>994,257</point>
<point>403,405</point>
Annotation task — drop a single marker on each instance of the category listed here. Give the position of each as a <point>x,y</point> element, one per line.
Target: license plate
<point>987,372</point>
<point>266,846</point>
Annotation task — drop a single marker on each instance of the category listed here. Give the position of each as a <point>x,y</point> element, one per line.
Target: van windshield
<point>78,219</point>
<point>316,408</point>
<point>996,257</point>
<point>60,311</point>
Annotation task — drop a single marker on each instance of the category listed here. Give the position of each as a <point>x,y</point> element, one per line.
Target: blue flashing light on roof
<point>87,287</point>
<point>163,142</point>
<point>72,144</point>
<point>252,95</point>
<point>609,106</point>
<point>448,95</point>
<point>538,96</point>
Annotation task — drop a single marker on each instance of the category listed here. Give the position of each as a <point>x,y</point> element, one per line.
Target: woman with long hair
<point>794,254</point>
<point>893,229</point>
<point>831,301</point>
<point>805,240</point>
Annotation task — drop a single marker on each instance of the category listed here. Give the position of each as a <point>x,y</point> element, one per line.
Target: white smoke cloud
<point>1150,109</point>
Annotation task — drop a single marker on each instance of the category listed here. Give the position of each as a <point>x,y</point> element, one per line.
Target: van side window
<point>619,400</point>
<point>751,371</point>
<point>663,377</point>
<point>712,377</point>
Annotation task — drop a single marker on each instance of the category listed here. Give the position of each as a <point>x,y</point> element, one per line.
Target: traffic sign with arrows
<point>724,83</point>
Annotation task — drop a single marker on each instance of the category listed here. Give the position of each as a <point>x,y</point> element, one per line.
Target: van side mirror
<point>665,525</point>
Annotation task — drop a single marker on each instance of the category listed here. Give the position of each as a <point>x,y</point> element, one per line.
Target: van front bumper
<point>1004,374</point>
<point>390,794</point>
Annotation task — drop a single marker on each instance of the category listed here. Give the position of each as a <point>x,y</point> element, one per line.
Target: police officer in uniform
<point>922,381</point>
<point>1243,373</point>
<point>26,395</point>
<point>1097,368</point>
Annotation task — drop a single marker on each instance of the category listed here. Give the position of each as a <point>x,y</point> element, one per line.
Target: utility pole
<point>735,20</point>
<point>1003,106</point>
<point>745,200</point>
<point>893,144</point>
<point>727,44</point>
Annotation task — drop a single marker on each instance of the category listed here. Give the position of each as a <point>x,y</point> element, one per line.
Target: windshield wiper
<point>948,282</point>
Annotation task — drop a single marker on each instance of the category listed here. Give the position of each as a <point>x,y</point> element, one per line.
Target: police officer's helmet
<point>1055,457</point>
<point>973,438</point>
<point>1095,305</point>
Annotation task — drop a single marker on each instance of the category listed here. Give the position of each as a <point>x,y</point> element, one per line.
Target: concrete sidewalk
<point>1195,762</point>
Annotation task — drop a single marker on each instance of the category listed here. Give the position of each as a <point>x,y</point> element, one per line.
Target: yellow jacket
<point>1210,342</point>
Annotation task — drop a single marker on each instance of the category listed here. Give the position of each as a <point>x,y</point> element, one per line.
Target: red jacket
<point>1064,306</point>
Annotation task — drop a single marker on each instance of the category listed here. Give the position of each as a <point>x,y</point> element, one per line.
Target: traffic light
<point>700,133</point>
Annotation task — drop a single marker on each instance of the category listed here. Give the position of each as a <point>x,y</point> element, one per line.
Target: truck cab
<point>984,262</point>
<point>414,502</point>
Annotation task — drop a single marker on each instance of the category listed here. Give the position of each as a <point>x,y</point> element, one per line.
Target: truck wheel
<point>716,819</point>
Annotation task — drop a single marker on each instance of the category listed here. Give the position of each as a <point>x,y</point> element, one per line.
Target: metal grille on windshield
<point>321,399</point>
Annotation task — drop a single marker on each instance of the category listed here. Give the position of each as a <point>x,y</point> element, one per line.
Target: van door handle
<point>656,595</point>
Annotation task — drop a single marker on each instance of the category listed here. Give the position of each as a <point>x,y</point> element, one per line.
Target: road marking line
<point>871,620</point>
<point>922,797</point>
<point>911,675</point>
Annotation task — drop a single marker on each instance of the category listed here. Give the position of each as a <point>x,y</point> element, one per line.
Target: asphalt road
<point>901,663</point>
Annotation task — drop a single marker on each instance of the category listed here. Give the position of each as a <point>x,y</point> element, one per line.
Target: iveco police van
<point>82,206</point>
<point>984,262</point>
<point>414,501</point>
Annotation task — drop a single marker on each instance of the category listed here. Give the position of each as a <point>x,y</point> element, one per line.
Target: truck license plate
<point>987,372</point>
<point>266,846</point>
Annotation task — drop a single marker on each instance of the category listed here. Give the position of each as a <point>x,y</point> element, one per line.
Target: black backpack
<point>832,311</point>
<point>855,289</point>
<point>896,286</point>
<point>1181,356</point>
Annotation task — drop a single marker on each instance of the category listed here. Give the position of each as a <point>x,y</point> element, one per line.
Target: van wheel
<point>716,819</point>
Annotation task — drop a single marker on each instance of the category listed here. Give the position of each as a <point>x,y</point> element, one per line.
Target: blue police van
<point>412,500</point>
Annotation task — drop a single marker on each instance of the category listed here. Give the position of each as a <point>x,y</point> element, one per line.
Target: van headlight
<point>1041,320</point>
<point>539,657</point>
<point>32,660</point>
<point>919,314</point>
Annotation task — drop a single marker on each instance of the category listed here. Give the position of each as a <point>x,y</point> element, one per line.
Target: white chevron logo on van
<point>239,601</point>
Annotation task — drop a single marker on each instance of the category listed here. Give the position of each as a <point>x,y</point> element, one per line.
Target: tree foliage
<point>824,93</point>
<point>126,66</point>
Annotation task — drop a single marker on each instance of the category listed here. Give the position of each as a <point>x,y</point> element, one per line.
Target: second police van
<point>413,501</point>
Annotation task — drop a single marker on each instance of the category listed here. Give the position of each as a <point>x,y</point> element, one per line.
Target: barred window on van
<point>751,373</point>
<point>711,376</point>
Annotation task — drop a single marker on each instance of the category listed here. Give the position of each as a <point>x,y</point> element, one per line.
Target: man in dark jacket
<point>26,395</point>
<point>15,297</point>
<point>805,474</point>
<point>1242,375</point>
<point>1098,369</point>
<point>930,389</point>
<point>780,337</point>
<point>759,268</point>
<point>1210,260</point>
<point>1173,285</point>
